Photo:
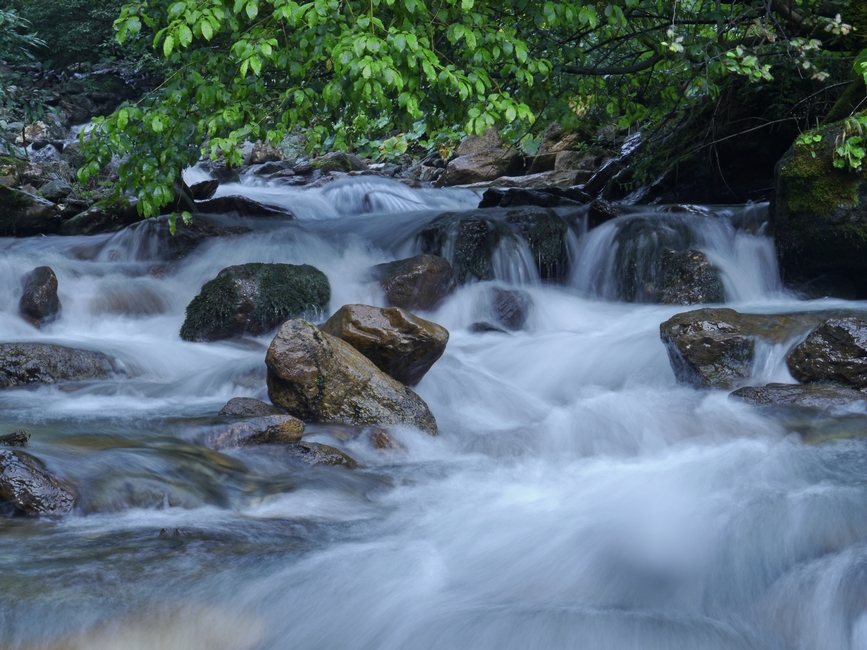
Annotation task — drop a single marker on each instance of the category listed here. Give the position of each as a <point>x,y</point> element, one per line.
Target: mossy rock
<point>254,299</point>
<point>820,217</point>
<point>23,215</point>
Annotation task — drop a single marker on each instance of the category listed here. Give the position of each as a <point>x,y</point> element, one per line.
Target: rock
<point>539,163</point>
<point>55,190</point>
<point>510,307</point>
<point>835,351</point>
<point>253,299</point>
<point>548,197</point>
<point>315,453</point>
<point>472,144</point>
<point>689,279</point>
<point>23,215</point>
<point>479,167</point>
<point>242,206</point>
<point>399,343</point>
<point>263,153</point>
<point>73,156</point>
<point>820,218</point>
<point>246,407</point>
<point>339,161</point>
<point>814,396</point>
<point>715,347</point>
<point>482,327</point>
<point>319,378</point>
<point>204,190</point>
<point>28,486</point>
<point>23,364</point>
<point>538,181</point>
<point>39,303</point>
<point>108,215</point>
<point>473,237</point>
<point>420,282</point>
<point>15,439</point>
<point>599,212</point>
<point>187,236</point>
<point>269,429</point>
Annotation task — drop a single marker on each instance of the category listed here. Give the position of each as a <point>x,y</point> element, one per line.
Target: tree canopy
<point>379,74</point>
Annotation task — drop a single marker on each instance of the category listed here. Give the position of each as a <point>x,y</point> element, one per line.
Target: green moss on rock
<point>253,299</point>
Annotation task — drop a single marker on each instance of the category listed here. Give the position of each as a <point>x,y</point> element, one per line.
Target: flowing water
<point>576,497</point>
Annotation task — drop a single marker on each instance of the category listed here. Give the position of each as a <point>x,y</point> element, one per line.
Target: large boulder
<point>716,347</point>
<point>399,343</point>
<point>29,488</point>
<point>420,282</point>
<point>24,215</point>
<point>23,364</point>
<point>479,167</point>
<point>253,299</point>
<point>820,217</point>
<point>319,378</point>
<point>39,303</point>
<point>836,351</point>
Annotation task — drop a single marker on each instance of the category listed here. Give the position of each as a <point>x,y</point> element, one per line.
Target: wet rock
<point>545,233</point>
<point>23,364</point>
<point>247,407</point>
<point>320,378</point>
<point>836,351</point>
<point>715,347</point>
<point>510,307</point>
<point>24,215</point>
<point>39,303</point>
<point>128,299</point>
<point>599,212</point>
<point>483,327</point>
<point>420,282</point>
<point>479,167</point>
<point>548,197</point>
<point>27,485</point>
<point>253,299</point>
<point>339,161</point>
<point>108,215</point>
<point>269,429</point>
<point>399,343</point>
<point>813,396</point>
<point>540,181</point>
<point>315,453</point>
<point>15,439</point>
<point>242,206</point>
<point>204,190</point>
<point>187,236</point>
<point>689,279</point>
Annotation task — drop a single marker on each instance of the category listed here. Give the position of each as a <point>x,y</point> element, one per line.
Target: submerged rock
<point>39,303</point>
<point>269,429</point>
<point>253,299</point>
<point>510,307</point>
<point>420,282</point>
<point>23,364</point>
<point>715,347</point>
<point>27,485</point>
<point>803,395</point>
<point>399,343</point>
<point>247,407</point>
<point>315,453</point>
<point>689,279</point>
<point>319,378</point>
<point>15,439</point>
<point>835,351</point>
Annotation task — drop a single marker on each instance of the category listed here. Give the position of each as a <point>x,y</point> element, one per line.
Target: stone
<point>241,206</point>
<point>483,327</point>
<point>27,485</point>
<point>545,233</point>
<point>510,307</point>
<point>836,351</point>
<point>204,190</point>
<point>539,181</point>
<point>547,197</point>
<point>24,364</point>
<point>55,190</point>
<point>339,161</point>
<point>263,153</point>
<point>399,343</point>
<point>472,144</point>
<point>319,378</point>
<point>690,279</point>
<point>599,212</point>
<point>247,407</point>
<point>73,156</point>
<point>541,163</point>
<point>420,282</point>
<point>815,396</point>
<point>820,218</point>
<point>315,453</point>
<point>714,348</point>
<point>24,215</point>
<point>39,303</point>
<point>187,236</point>
<point>479,167</point>
<point>15,439</point>
<point>254,299</point>
<point>111,214</point>
<point>268,429</point>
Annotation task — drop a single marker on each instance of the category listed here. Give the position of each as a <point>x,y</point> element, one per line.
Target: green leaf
<point>168,45</point>
<point>252,10</point>
<point>122,119</point>
<point>207,32</point>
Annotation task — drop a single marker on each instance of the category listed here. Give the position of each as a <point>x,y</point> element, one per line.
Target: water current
<point>576,496</point>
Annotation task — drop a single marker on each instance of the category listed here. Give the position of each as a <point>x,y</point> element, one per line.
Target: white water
<point>576,497</point>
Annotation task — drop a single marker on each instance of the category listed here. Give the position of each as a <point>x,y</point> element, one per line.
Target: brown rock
<point>15,439</point>
<point>420,282</point>
<point>320,378</point>
<point>479,167</point>
<point>39,302</point>
<point>400,344</point>
<point>271,429</point>
<point>315,453</point>
<point>30,488</point>
<point>247,407</point>
<point>490,139</point>
<point>835,351</point>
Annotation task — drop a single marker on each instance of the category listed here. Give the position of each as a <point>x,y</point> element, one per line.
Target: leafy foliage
<point>377,74</point>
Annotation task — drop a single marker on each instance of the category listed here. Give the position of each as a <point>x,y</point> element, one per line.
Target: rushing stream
<point>576,496</point>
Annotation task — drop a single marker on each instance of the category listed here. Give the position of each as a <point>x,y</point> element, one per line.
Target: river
<point>576,496</point>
